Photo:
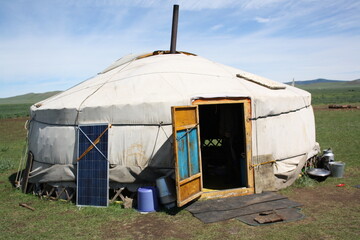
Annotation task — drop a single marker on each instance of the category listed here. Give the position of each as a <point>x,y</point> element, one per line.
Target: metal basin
<point>319,174</point>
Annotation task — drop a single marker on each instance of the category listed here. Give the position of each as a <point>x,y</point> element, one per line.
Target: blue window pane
<point>182,154</point>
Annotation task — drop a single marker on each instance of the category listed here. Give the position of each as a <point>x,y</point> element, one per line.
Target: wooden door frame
<point>250,189</point>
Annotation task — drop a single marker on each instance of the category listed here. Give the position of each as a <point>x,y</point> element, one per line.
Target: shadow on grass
<point>175,210</point>
<point>12,178</point>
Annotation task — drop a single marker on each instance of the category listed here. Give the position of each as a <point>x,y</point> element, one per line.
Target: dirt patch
<point>20,119</point>
<point>331,194</point>
<point>320,200</point>
<point>148,226</point>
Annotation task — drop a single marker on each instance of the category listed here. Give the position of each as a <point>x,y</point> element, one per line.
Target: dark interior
<point>223,148</point>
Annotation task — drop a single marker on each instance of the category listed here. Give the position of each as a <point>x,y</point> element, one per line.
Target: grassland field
<point>334,93</point>
<point>331,212</point>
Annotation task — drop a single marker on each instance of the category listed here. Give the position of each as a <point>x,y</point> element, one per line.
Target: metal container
<point>328,153</point>
<point>318,173</point>
<point>337,169</point>
<point>327,157</point>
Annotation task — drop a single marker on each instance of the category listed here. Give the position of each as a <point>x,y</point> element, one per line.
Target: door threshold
<point>211,193</point>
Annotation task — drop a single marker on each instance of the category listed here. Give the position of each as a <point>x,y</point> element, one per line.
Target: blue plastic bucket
<point>147,199</point>
<point>166,188</point>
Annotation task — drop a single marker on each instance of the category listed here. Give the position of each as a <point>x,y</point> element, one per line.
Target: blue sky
<point>48,45</point>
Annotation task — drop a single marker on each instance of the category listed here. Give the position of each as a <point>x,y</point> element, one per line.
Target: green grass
<point>333,93</point>
<point>14,110</point>
<point>331,212</point>
<point>304,181</point>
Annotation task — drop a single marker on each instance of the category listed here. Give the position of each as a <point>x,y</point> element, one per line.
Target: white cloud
<point>262,20</point>
<point>217,27</point>
<point>258,4</point>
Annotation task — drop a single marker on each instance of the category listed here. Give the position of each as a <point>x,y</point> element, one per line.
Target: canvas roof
<point>156,82</point>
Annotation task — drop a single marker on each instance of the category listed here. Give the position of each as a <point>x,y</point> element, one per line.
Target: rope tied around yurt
<point>93,143</point>
<point>279,114</point>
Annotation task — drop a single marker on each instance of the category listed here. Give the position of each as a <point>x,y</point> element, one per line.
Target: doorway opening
<point>223,146</point>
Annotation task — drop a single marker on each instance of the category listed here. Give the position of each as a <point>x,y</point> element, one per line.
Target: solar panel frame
<point>93,169</point>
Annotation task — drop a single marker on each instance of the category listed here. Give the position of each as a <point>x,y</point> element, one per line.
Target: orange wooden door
<point>187,153</point>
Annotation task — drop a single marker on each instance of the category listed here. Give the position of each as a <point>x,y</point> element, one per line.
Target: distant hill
<point>357,81</point>
<point>326,84</point>
<point>29,98</point>
<point>319,80</point>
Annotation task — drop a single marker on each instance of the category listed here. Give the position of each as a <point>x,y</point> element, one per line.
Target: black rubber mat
<point>216,210</point>
<point>288,214</point>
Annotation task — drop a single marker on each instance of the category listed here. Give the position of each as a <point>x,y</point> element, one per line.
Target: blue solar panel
<point>93,167</point>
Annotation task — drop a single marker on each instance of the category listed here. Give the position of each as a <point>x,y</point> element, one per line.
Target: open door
<point>188,174</point>
<point>226,147</point>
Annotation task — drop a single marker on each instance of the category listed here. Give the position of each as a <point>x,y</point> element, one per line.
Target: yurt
<point>215,130</point>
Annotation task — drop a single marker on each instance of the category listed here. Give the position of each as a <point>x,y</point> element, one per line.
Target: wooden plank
<point>26,206</point>
<point>48,194</point>
<point>265,82</point>
<point>185,116</point>
<point>191,188</point>
<point>68,197</point>
<point>189,179</point>
<point>58,195</point>
<point>269,217</point>
<point>248,136</point>
<point>185,127</point>
<point>176,157</point>
<point>199,151</point>
<point>208,101</point>
<point>118,194</point>
<point>29,163</point>
<point>227,193</point>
